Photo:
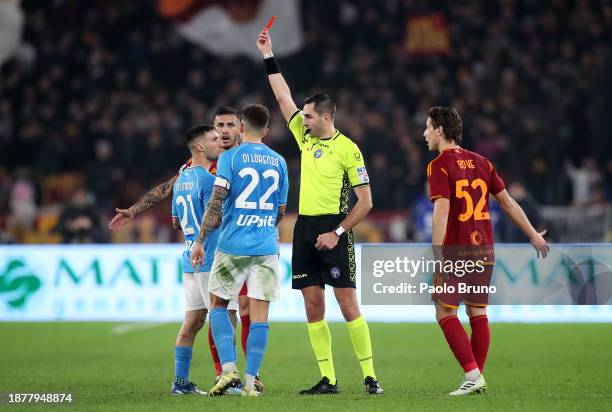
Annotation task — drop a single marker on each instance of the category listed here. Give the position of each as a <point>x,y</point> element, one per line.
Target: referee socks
<point>320,339</point>
<point>360,336</point>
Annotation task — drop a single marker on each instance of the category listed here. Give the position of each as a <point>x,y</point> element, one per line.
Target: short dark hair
<point>227,110</point>
<point>323,103</point>
<point>197,131</point>
<point>256,116</point>
<point>449,119</point>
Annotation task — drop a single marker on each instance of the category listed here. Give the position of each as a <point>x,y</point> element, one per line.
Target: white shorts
<point>197,296</point>
<point>229,272</point>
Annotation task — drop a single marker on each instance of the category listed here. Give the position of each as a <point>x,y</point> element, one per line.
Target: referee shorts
<point>310,267</point>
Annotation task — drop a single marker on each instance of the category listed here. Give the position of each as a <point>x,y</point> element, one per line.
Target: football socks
<point>256,347</point>
<point>182,361</point>
<point>244,332</point>
<point>481,337</point>
<point>360,336</point>
<point>223,334</point>
<point>320,339</point>
<point>213,351</point>
<point>458,342</point>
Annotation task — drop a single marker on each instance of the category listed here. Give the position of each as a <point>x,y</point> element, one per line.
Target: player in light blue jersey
<point>191,191</point>
<point>251,193</point>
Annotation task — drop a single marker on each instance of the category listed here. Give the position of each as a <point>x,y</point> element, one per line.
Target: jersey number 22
<point>262,203</point>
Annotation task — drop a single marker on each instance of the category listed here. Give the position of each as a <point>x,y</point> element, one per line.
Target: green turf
<point>535,367</point>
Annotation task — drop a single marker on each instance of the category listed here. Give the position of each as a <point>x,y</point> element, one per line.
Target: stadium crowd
<point>94,105</point>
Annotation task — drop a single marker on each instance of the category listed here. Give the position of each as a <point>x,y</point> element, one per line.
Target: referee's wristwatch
<point>340,231</point>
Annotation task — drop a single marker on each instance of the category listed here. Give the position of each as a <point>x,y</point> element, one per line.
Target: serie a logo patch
<point>363,174</point>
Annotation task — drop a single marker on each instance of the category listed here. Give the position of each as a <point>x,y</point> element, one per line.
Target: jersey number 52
<point>470,210</point>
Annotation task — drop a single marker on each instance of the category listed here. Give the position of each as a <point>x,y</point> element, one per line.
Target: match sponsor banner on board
<point>143,282</point>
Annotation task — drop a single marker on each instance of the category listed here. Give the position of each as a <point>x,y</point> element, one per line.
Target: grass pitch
<point>110,366</point>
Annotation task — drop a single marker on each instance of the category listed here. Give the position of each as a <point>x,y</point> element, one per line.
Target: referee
<point>323,251</point>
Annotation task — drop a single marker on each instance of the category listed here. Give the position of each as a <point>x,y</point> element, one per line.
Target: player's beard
<point>226,145</point>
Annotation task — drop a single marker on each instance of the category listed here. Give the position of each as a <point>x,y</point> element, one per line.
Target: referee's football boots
<point>324,386</point>
<point>372,387</point>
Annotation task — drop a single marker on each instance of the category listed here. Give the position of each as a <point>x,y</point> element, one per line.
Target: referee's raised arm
<point>277,81</point>
<point>323,251</point>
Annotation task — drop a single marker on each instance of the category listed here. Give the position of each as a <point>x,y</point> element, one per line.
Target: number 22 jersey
<point>256,177</point>
<point>466,179</point>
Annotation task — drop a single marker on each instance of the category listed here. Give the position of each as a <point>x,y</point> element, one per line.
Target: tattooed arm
<point>152,198</point>
<point>211,221</point>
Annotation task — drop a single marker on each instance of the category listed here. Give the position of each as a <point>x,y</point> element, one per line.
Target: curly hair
<point>449,119</point>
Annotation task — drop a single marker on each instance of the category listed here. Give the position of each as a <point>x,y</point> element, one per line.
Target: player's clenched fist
<point>197,254</point>
<point>264,42</point>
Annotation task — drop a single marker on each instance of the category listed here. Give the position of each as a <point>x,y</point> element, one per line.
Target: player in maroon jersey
<point>227,125</point>
<point>460,182</point>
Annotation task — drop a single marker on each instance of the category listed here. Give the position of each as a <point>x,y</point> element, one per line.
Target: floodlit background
<point>95,98</point>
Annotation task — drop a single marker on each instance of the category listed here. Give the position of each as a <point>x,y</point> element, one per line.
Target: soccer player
<point>191,192</point>
<point>323,251</point>
<point>460,182</point>
<point>251,190</point>
<point>227,124</point>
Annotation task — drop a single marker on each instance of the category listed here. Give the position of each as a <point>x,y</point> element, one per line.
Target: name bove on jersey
<point>256,177</point>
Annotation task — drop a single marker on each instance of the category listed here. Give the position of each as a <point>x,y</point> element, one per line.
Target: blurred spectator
<point>79,222</point>
<point>507,230</point>
<point>422,217</point>
<point>584,180</point>
<point>105,90</point>
<point>22,204</point>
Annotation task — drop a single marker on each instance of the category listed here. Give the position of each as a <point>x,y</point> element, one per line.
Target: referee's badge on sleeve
<point>362,173</point>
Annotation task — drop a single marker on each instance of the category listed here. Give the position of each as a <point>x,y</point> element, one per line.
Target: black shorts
<point>336,267</point>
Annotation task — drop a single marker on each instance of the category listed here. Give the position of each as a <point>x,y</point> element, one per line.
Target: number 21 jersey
<point>466,179</point>
<point>190,196</point>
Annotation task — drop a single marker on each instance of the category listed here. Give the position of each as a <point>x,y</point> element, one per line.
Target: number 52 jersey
<point>466,179</point>
<point>256,177</point>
